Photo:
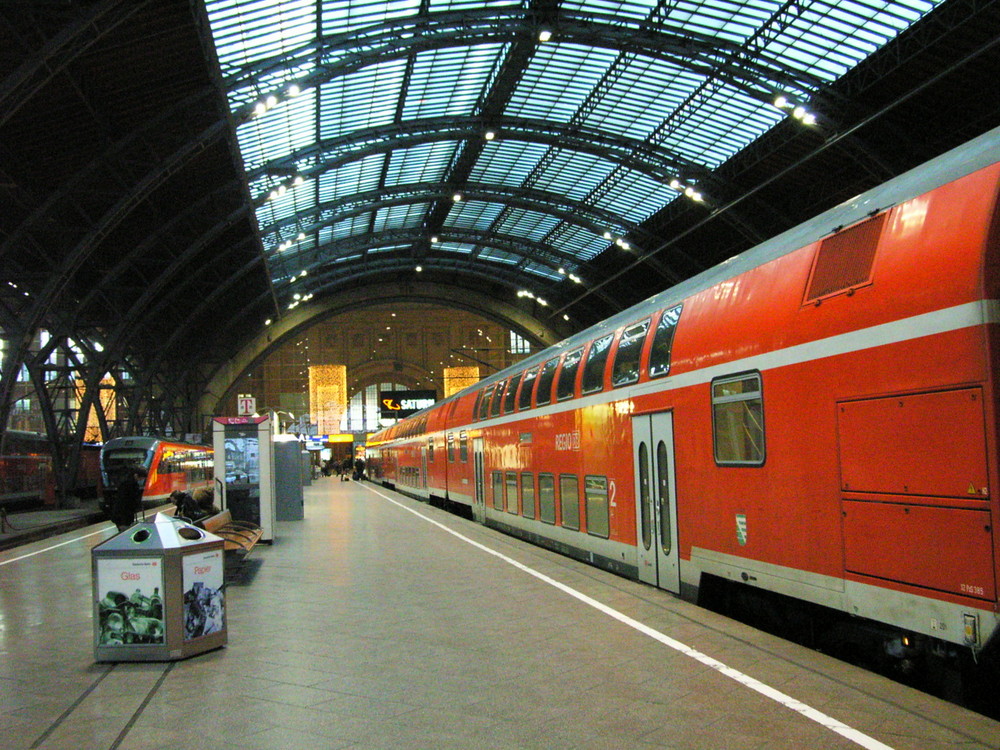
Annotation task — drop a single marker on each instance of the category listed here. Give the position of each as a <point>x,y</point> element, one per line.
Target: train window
<point>545,379</point>
<point>663,342</point>
<point>569,500</point>
<point>484,403</point>
<point>497,477</point>
<point>510,393</point>
<point>547,498</point>
<point>497,400</point>
<point>524,400</point>
<point>430,449</point>
<point>595,491</point>
<point>626,367</point>
<point>567,375</point>
<point>512,492</point>
<point>527,494</point>
<point>597,358</point>
<point>738,420</point>
<point>475,409</point>
<point>451,447</point>
<point>463,447</point>
<point>646,527</point>
<point>663,492</point>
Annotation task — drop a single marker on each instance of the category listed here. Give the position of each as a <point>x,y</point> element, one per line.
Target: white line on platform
<point>854,735</point>
<point>54,546</point>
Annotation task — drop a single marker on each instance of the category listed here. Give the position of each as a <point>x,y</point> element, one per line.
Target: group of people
<point>346,469</point>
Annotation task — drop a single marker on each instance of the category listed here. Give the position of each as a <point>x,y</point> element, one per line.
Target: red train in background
<point>27,474</point>
<point>814,421</point>
<point>169,465</point>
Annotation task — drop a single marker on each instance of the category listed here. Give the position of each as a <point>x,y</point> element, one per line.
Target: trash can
<point>159,592</point>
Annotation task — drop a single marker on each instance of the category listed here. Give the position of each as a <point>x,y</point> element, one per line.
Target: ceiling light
<point>294,90</point>
<point>456,197</point>
<point>271,101</point>
<point>490,135</point>
<point>544,35</point>
<point>781,102</point>
<point>419,269</point>
<point>267,322</point>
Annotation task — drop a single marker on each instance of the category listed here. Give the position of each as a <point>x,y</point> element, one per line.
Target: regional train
<point>169,466</point>
<point>27,471</point>
<point>816,418</point>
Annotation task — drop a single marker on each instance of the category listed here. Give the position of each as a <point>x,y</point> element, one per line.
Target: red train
<point>169,465</point>
<point>817,417</point>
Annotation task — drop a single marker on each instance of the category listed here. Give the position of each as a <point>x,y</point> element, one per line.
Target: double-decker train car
<point>169,466</point>
<point>816,418</point>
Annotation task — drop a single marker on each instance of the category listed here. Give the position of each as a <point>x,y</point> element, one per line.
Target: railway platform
<point>382,622</point>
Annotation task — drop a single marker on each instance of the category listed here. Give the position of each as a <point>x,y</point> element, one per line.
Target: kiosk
<point>244,469</point>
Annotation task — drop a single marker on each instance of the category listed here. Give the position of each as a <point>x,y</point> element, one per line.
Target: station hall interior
<point>219,209</point>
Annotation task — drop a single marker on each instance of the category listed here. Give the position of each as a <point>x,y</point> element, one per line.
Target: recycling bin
<point>159,592</point>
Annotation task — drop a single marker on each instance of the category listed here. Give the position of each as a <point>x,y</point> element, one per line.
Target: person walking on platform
<point>345,469</point>
<point>127,499</point>
<point>359,468</point>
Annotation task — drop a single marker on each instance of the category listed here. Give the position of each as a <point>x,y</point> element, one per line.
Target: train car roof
<point>970,157</point>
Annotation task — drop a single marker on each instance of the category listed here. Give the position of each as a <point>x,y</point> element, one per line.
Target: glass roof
<point>455,129</point>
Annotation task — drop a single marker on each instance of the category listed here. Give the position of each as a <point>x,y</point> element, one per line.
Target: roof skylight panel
<point>646,93</point>
<point>360,100</point>
<point>400,217</point>
<point>354,177</point>
<point>558,80</point>
<point>449,81</point>
<point>507,162</point>
<point>456,248</point>
<point>339,16</point>
<point>250,31</point>
<point>632,9</point>
<point>348,227</point>
<point>573,174</point>
<point>496,255</point>
<point>636,196</point>
<point>532,225</point>
<point>427,162</point>
<point>473,214</point>
<point>582,243</point>
<point>288,127</point>
<point>538,269</point>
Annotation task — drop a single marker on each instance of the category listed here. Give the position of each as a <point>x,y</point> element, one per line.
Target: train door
<point>656,501</point>
<point>479,501</point>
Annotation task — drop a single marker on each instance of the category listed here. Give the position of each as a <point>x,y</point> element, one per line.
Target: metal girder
<point>330,251</point>
<point>634,154</point>
<point>595,219</point>
<point>740,66</point>
<point>42,215</point>
<point>93,23</point>
<point>168,229</point>
<point>72,262</point>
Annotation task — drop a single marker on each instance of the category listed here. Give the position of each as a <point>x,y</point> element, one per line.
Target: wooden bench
<point>239,536</point>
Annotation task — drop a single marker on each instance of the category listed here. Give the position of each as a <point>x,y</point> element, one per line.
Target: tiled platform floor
<point>366,626</point>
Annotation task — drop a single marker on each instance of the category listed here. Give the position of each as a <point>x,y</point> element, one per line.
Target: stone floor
<point>380,622</point>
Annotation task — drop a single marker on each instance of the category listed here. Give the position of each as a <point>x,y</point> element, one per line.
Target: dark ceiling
<point>127,224</point>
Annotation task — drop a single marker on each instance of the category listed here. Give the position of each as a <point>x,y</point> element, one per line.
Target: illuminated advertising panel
<point>400,404</point>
